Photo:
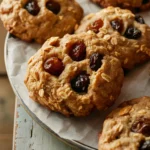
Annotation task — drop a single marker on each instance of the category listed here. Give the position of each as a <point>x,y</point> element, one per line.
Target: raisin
<point>145,1</point>
<point>139,19</point>
<point>95,61</point>
<point>81,82</point>
<point>136,9</point>
<point>95,26</point>
<point>53,6</point>
<point>78,51</point>
<point>145,145</point>
<point>12,35</point>
<point>32,7</point>
<point>132,33</point>
<point>54,66</point>
<point>142,126</point>
<point>117,25</point>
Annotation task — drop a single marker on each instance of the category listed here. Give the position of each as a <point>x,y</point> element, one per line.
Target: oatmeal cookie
<point>72,75</point>
<point>134,5</point>
<point>127,127</point>
<point>128,33</point>
<point>38,20</point>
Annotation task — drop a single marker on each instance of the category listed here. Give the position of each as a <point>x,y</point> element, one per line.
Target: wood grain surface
<point>28,135</point>
<point>2,41</point>
<point>7,101</point>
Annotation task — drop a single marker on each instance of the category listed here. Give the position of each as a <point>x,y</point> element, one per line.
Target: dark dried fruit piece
<point>139,19</point>
<point>136,9</point>
<point>132,33</point>
<point>53,6</point>
<point>32,7</point>
<point>145,1</point>
<point>142,126</point>
<point>54,66</point>
<point>95,26</point>
<point>12,36</point>
<point>78,51</point>
<point>145,145</point>
<point>96,61</point>
<point>81,82</point>
<point>117,24</point>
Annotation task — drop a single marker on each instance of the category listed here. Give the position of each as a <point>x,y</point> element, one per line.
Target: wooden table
<point>28,135</point>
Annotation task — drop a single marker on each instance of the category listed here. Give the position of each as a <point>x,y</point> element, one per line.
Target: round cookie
<point>134,5</point>
<point>128,34</point>
<point>127,127</point>
<point>38,20</point>
<point>72,76</point>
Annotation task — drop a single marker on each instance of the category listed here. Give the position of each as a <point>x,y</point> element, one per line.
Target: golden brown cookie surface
<point>134,5</point>
<point>72,76</point>
<point>40,19</point>
<point>127,127</point>
<point>129,34</point>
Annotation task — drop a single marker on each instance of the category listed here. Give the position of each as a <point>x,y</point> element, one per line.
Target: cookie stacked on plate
<point>134,5</point>
<point>126,32</point>
<point>74,75</point>
<point>38,20</point>
<point>127,127</point>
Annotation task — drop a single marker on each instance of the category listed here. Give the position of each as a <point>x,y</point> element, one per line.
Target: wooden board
<point>2,41</point>
<point>7,101</point>
<point>28,135</point>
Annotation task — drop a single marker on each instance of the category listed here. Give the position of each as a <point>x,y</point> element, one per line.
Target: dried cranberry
<point>78,51</point>
<point>95,26</point>
<point>53,6</point>
<point>139,19</point>
<point>117,25</point>
<point>32,7</point>
<point>96,61</point>
<point>132,33</point>
<point>81,82</point>
<point>54,66</point>
<point>142,126</point>
<point>145,145</point>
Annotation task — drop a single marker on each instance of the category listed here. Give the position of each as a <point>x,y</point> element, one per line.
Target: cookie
<point>38,20</point>
<point>129,34</point>
<point>134,5</point>
<point>73,76</point>
<point>127,127</point>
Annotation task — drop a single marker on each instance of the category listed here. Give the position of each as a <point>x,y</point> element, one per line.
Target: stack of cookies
<point>74,74</point>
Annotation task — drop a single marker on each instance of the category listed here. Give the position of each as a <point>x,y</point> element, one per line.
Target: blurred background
<point>7,100</point>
